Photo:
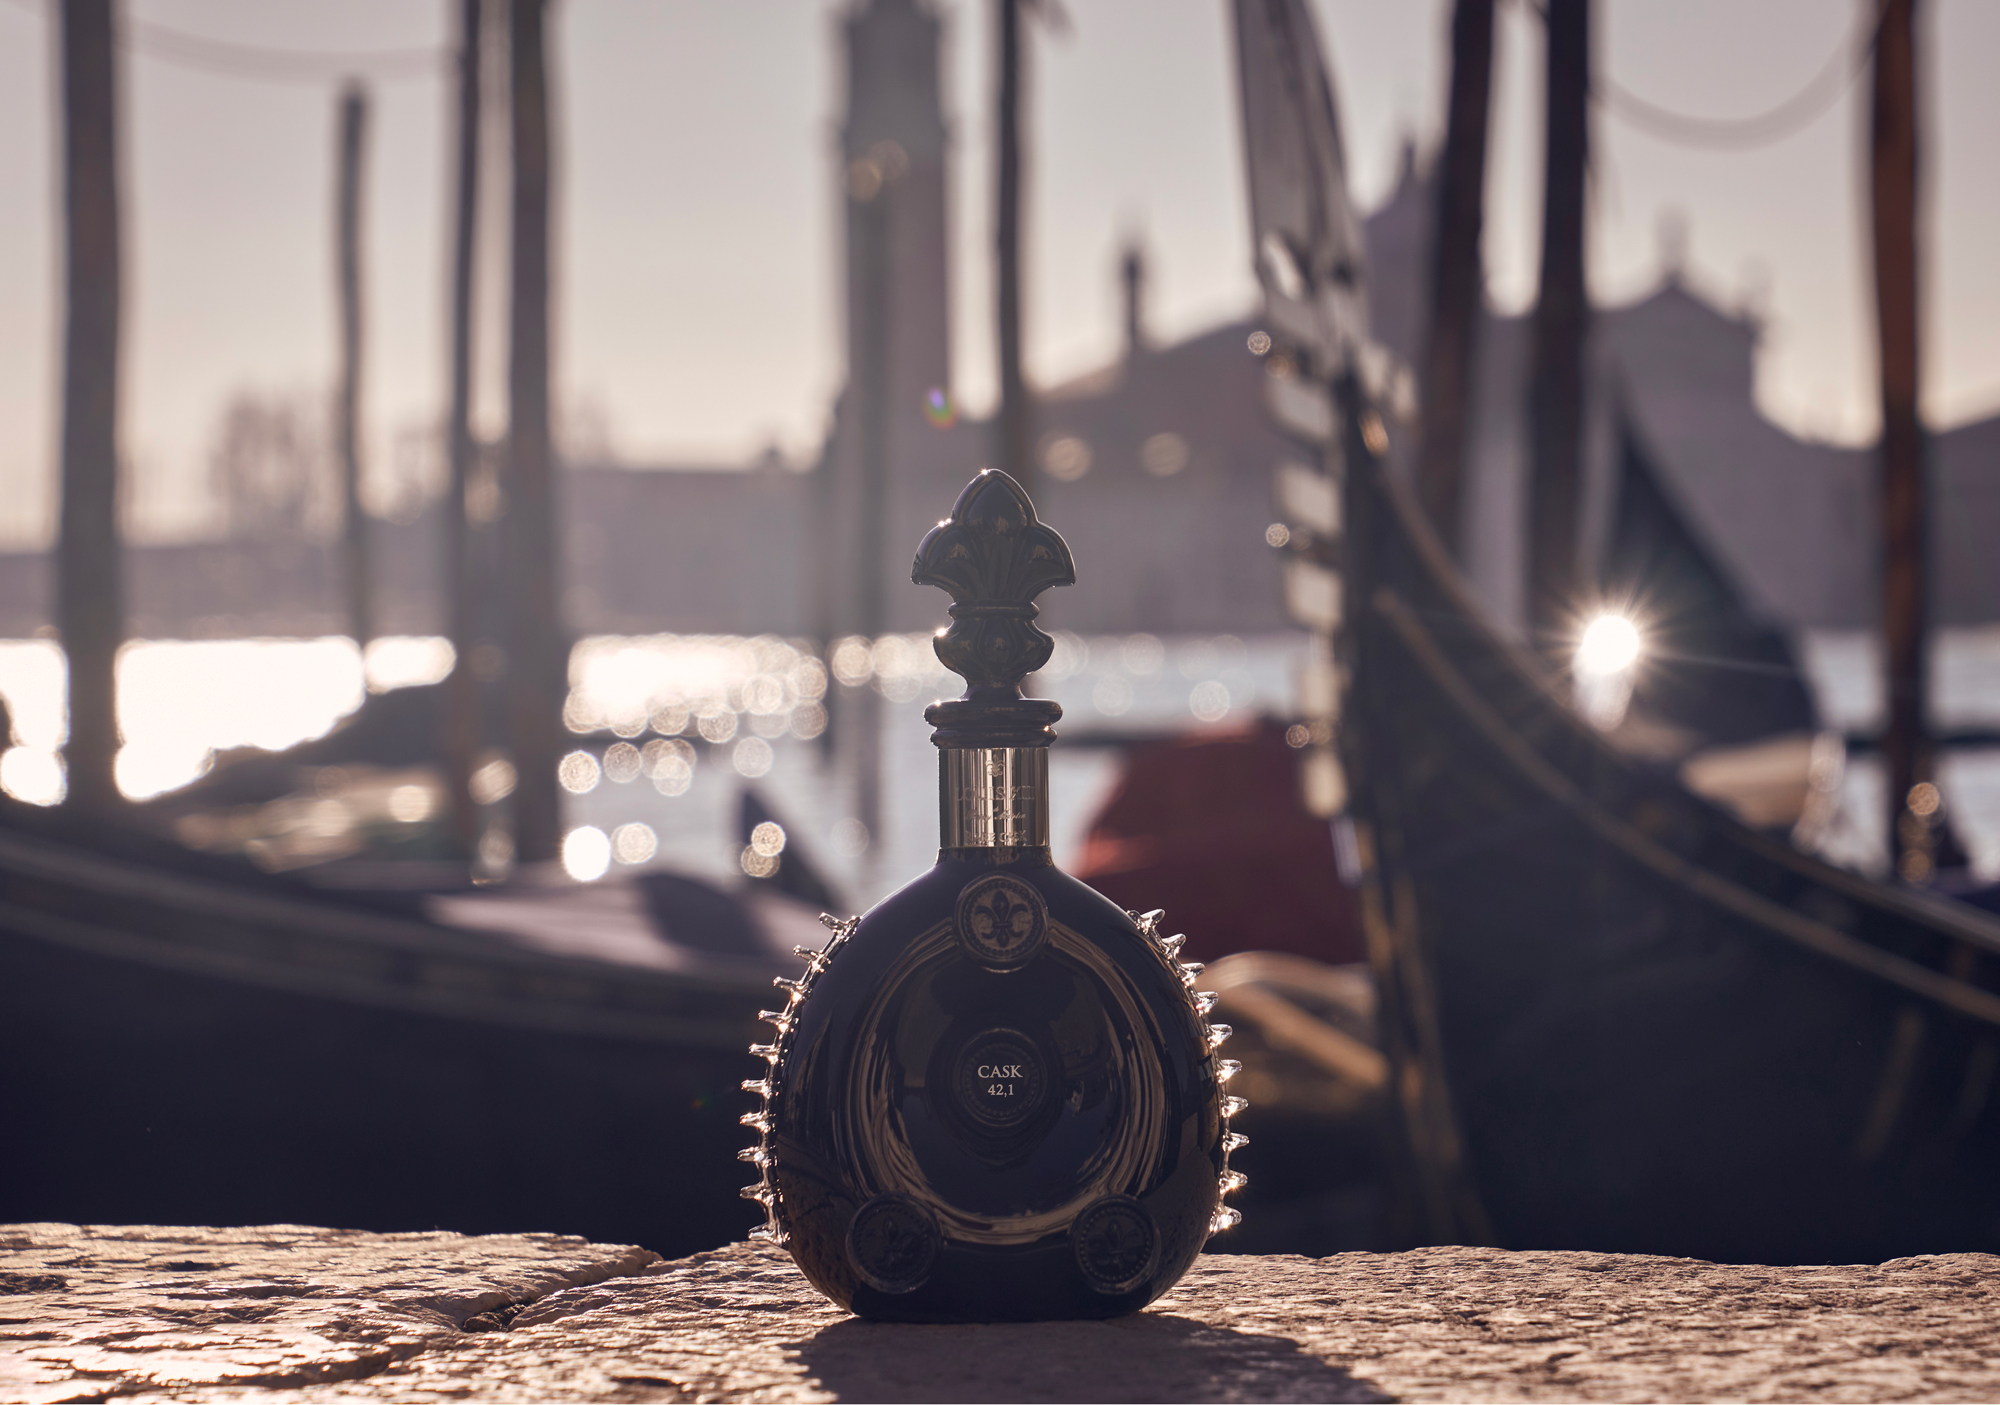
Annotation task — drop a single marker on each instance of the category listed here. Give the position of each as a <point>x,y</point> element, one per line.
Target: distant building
<point>1157,468</point>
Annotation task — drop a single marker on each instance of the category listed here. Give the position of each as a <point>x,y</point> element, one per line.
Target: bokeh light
<point>1066,457</point>
<point>634,843</point>
<point>623,762</point>
<point>412,804</point>
<point>768,839</point>
<point>940,409</point>
<point>753,757</point>
<point>493,781</point>
<point>1164,455</point>
<point>586,853</point>
<point>673,775</point>
<point>1209,701</point>
<point>1112,696</point>
<point>578,772</point>
<point>850,839</point>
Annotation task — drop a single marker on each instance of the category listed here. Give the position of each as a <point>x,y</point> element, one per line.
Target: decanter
<point>994,1096</point>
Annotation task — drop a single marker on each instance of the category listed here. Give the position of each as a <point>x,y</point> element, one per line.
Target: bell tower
<point>891,180</point>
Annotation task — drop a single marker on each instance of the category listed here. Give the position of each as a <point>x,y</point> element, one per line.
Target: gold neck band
<point>993,797</point>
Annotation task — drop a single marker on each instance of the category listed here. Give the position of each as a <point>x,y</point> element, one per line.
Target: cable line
<point>1794,114</point>
<point>285,65</point>
<point>225,56</point>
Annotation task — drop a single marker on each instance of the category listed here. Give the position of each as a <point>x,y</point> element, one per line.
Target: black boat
<point>1616,1018</point>
<point>185,1039</point>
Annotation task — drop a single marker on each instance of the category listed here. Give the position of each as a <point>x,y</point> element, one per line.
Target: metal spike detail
<point>1232,1180</point>
<point>1204,1001</point>
<point>1226,1069</point>
<point>1235,1141</point>
<point>1217,1033</point>
<point>1172,945</point>
<point>1232,1106</point>
<point>1225,1218</point>
<point>773,1053</point>
<point>1149,922</point>
<point>1191,969</point>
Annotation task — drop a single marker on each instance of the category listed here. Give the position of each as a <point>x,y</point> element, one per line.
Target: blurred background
<point>519,442</point>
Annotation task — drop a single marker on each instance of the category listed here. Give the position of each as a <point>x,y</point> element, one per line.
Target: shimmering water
<point>750,712</point>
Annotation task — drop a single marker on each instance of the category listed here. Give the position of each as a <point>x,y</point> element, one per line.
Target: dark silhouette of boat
<point>1622,1020</point>
<point>1615,1017</point>
<point>186,1039</point>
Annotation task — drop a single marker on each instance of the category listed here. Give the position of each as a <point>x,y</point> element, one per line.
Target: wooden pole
<point>1562,322</point>
<point>90,613</point>
<point>537,664</point>
<point>870,225</point>
<point>1012,449</point>
<point>1457,279</point>
<point>1132,277</point>
<point>1893,172</point>
<point>353,136</point>
<point>461,726</point>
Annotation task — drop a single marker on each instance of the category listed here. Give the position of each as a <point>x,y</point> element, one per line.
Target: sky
<point>698,313</point>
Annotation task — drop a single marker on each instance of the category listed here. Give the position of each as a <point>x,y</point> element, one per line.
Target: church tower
<point>887,472</point>
<point>893,147</point>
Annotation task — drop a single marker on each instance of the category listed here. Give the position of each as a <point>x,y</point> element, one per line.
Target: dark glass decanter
<point>995,1095</point>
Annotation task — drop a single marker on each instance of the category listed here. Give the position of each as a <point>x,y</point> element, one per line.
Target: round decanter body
<point>994,1099</point>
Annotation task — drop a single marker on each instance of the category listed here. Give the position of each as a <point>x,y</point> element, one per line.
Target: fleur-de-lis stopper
<point>994,556</point>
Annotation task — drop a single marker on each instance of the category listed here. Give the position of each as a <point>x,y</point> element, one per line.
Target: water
<point>752,711</point>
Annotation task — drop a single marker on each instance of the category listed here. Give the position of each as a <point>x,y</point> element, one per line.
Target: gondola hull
<point>179,1047</point>
<point>1623,1021</point>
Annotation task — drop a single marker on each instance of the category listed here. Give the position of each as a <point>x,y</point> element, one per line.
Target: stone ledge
<point>300,1314</point>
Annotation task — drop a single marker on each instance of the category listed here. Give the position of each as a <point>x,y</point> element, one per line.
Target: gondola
<point>1616,1018</point>
<point>185,1039</point>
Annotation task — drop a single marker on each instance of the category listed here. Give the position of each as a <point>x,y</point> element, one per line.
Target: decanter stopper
<point>994,556</point>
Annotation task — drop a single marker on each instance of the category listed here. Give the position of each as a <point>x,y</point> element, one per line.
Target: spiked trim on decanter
<point>994,556</point>
<point>1202,1001</point>
<point>776,1054</point>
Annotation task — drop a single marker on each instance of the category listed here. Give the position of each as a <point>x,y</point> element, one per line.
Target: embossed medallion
<point>1116,1244</point>
<point>1002,921</point>
<point>893,1243</point>
<point>1000,1081</point>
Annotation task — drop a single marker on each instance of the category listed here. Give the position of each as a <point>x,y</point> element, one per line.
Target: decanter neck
<point>993,797</point>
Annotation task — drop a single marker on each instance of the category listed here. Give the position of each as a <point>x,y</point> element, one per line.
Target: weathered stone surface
<point>355,1317</point>
<point>89,1312</point>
